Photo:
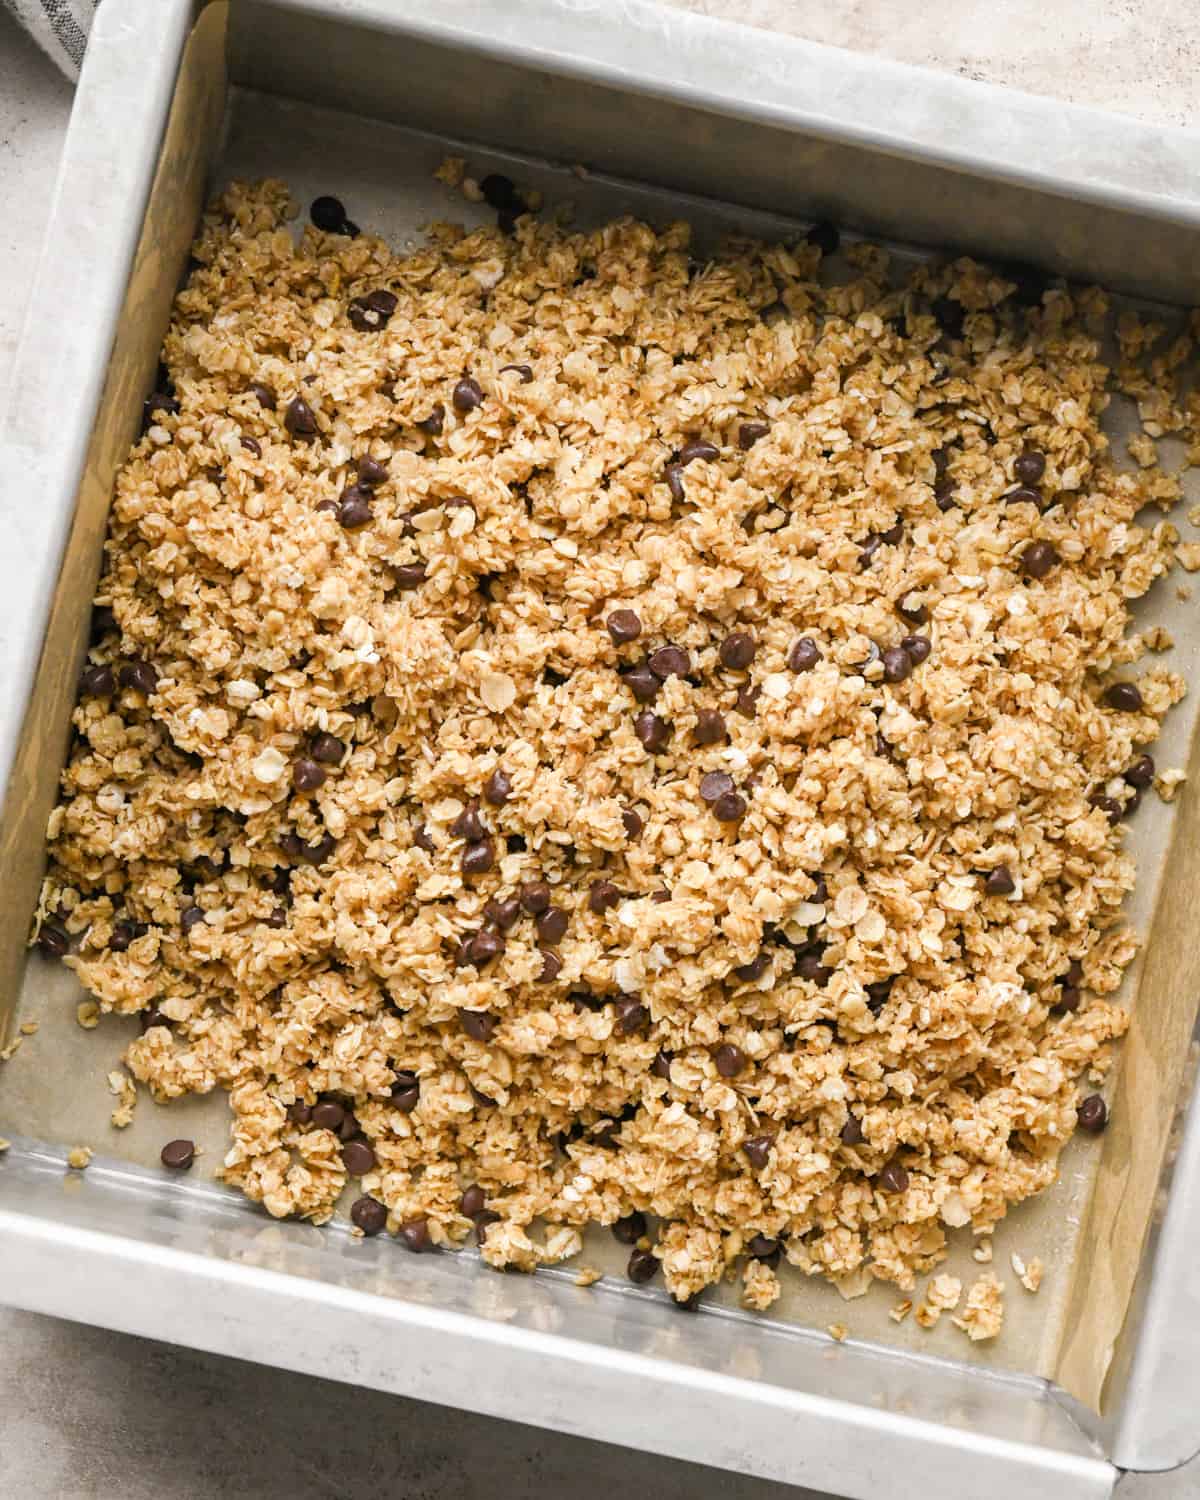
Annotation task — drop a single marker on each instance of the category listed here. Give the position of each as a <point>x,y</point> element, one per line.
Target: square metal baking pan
<point>674,116</point>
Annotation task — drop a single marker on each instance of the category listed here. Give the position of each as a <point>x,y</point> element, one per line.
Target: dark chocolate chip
<point>1124,696</point>
<point>632,823</point>
<point>480,1025</point>
<point>300,1113</point>
<point>1109,806</point>
<point>696,448</point>
<point>326,749</point>
<point>730,807</point>
<point>97,682</point>
<point>478,858</point>
<point>192,916</point>
<point>603,896</point>
<point>758,1149</point>
<point>642,683</point>
<point>370,471</point>
<point>810,967</point>
<point>552,926</point>
<point>852,1131</point>
<point>714,785</point>
<point>1141,773</point>
<point>299,418</point>
<point>897,664</point>
<point>328,214</point>
<point>630,1229</point>
<point>868,550</point>
<point>473,1202</point>
<point>642,1267</point>
<point>251,446</point>
<point>763,1247</point>
<point>122,935</point>
<point>422,839</point>
<point>265,395</point>
<point>710,727</point>
<point>52,940</point>
<point>755,969</point>
<point>673,474</point>
<point>434,422</point>
<point>358,1158</point>
<point>408,576</point>
<point>277,918</point>
<point>503,914</point>
<point>1038,558</point>
<point>468,394</point>
<point>1029,466</point>
<point>632,1016</point>
<point>910,606</point>
<point>750,432</point>
<point>729,1060</point>
<point>999,882</point>
<point>893,1178</point>
<point>943,494</point>
<point>406,1099</point>
<point>551,967</point>
<point>469,825</point>
<point>654,732</point>
<point>354,508</point>
<point>415,1234</point>
<point>535,897</point>
<point>483,1222</point>
<point>623,625</point>
<point>369,1215</point>
<point>804,654</point>
<point>746,702</point>
<point>1093,1114</point>
<point>178,1155</point>
<point>661,1066</point>
<point>483,947</point>
<point>670,661</point>
<point>523,371</point>
<point>1023,495</point>
<point>140,676</point>
<point>328,1115</point>
<point>497,788</point>
<point>951,316</point>
<point>825,236</point>
<point>737,651</point>
<point>307,775</point>
<point>917,648</point>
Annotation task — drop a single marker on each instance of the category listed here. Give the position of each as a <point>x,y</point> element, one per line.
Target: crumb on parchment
<point>588,1276</point>
<point>503,730</point>
<point>983,1315</point>
<point>79,1158</point>
<point>1028,1273</point>
<point>837,1331</point>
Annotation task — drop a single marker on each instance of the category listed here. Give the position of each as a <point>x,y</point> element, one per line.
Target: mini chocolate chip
<point>1038,558</point>
<point>950,315</point>
<point>758,1149</point>
<point>737,651</point>
<point>369,1215</point>
<point>642,683</point>
<point>917,648</point>
<point>300,1113</point>
<point>824,236</point>
<point>630,1229</point>
<point>696,448</point>
<point>661,1066</point>
<point>503,914</point>
<point>97,682</point>
<point>602,897</point>
<point>422,839</point>
<point>1109,806</point>
<point>370,471</point>
<point>632,823</point>
<point>551,966</point>
<point>478,859</point>
<point>729,1060</point>
<point>265,395</point>
<point>910,606</point>
<point>552,926</point>
<point>329,503</point>
<point>746,702</point>
<point>755,969</point>
<point>654,732</point>
<point>277,918</point>
<point>468,394</point>
<point>140,676</point>
<point>1069,998</point>
<point>535,897</point>
<point>178,1155</point>
<point>852,1131</point>
<point>484,947</point>
<point>893,535</point>
<point>1124,696</point>
<point>52,940</point>
<point>1023,495</point>
<point>897,664</point>
<point>328,1115</point>
<point>999,882</point>
<point>415,1234</point>
<point>480,1025</point>
<point>632,1015</point>
<point>483,1222</point>
<point>191,917</point>
<point>408,576</point>
<point>642,1267</point>
<point>500,192</point>
<point>299,418</point>
<point>1029,466</point>
<point>659,897</point>
<point>328,214</point>
<point>714,785</point>
<point>868,549</point>
<point>251,446</point>
<point>623,625</point>
<point>893,1178</point>
<point>153,1017</point>
<point>730,807</point>
<point>358,1158</point>
<point>354,508</point>
<point>158,401</point>
<point>469,825</point>
<point>810,967</point>
<point>763,1247</point>
<point>406,1099</point>
<point>670,661</point>
<point>307,775</point>
<point>943,494</point>
<point>434,422</point>
<point>750,432</point>
<point>497,788</point>
<point>1093,1114</point>
<point>524,371</point>
<point>710,727</point>
<point>122,935</point>
<point>804,654</point>
<point>673,474</point>
<point>1141,773</point>
<point>326,749</point>
<point>473,1202</point>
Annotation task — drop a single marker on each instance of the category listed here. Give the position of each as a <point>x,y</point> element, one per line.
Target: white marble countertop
<point>90,1414</point>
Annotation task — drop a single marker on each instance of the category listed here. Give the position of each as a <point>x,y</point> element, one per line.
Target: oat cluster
<point>577,733</point>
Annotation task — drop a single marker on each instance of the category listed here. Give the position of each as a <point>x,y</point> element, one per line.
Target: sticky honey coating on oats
<point>611,732</point>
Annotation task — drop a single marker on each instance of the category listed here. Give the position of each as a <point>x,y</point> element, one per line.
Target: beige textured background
<point>91,1414</point>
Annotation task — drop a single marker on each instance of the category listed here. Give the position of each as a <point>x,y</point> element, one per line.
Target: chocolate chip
<point>642,1267</point>
<point>630,1229</point>
<point>623,625</point>
<point>191,917</point>
<point>710,727</point>
<point>673,474</point>
<point>661,1066</point>
<point>251,446</point>
<point>729,1060</point>
<point>804,654</point>
<point>479,858</point>
<point>369,1215</point>
<point>372,311</point>
<point>179,1155</point>
<point>1038,558</point>
<point>468,394</point>
<point>535,897</point>
<point>299,418</point>
<point>318,853</point>
<point>482,948</point>
<point>654,732</point>
<point>523,371</point>
<point>469,825</point>
<point>763,1247</point>
<point>1029,466</point>
<point>328,214</point>
<point>158,401</point>
<point>1124,696</point>
<point>1023,495</point>
<point>153,1017</point>
<point>670,661</point>
<point>326,749</point>
<point>52,940</point>
<point>503,914</point>
<point>1141,773</point>
<point>824,236</point>
<point>737,651</point>
<point>750,432</point>
<point>714,785</point>
<point>300,1113</point>
<point>868,550</point>
<point>434,422</point>
<point>696,448</point>
<point>642,683</point>
<point>406,1099</point>
<point>328,1115</point>
<point>632,1015</point>
<point>746,702</point>
<point>943,494</point>
<point>551,966</point>
<point>659,897</point>
<point>893,1178</point>
<point>483,1222</point>
<point>480,1025</point>
<point>415,1234</point>
<point>96,682</point>
<point>810,967</point>
<point>910,606</point>
<point>358,1158</point>
<point>265,395</point>
<point>307,775</point>
<point>999,882</point>
<point>730,807</point>
<point>950,315</point>
<point>140,676</point>
<point>500,192</point>
<point>122,935</point>
<point>602,897</point>
<point>758,1149</point>
<point>632,823</point>
<point>354,508</point>
<point>917,648</point>
<point>1109,806</point>
<point>755,969</point>
<point>552,926</point>
<point>473,1202</point>
<point>497,788</point>
<point>408,576</point>
<point>1093,1114</point>
<point>897,664</point>
<point>852,1131</point>
<point>422,839</point>
<point>277,918</point>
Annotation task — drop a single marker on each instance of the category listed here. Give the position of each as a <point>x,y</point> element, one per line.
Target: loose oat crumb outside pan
<point>332,136</point>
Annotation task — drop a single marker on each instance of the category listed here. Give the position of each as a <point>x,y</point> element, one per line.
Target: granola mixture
<point>579,734</point>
